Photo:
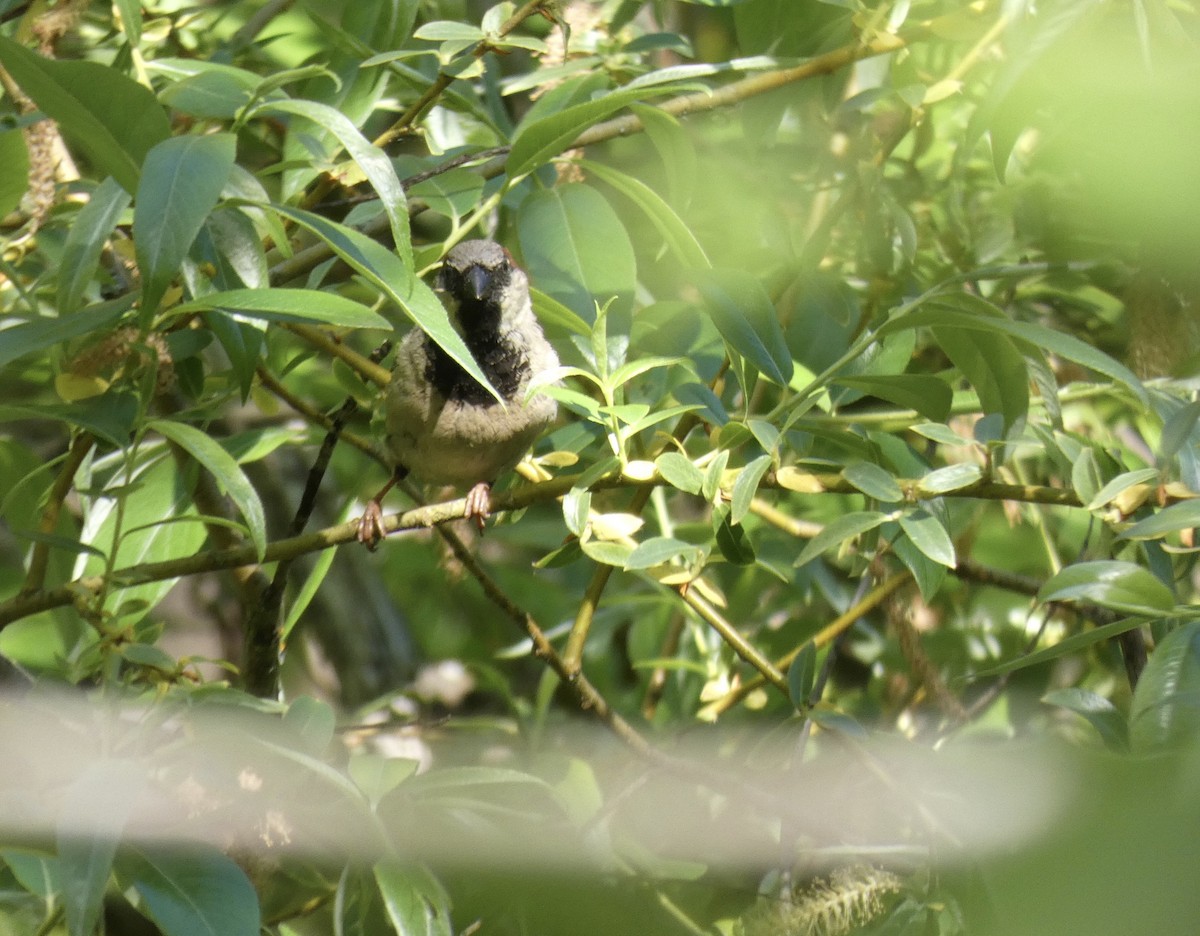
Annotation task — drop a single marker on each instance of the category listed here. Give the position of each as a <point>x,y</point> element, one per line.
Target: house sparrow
<point>442,424</point>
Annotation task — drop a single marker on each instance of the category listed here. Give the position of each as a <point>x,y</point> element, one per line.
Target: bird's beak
<point>479,280</point>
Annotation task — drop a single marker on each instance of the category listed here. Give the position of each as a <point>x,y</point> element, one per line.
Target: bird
<point>444,426</point>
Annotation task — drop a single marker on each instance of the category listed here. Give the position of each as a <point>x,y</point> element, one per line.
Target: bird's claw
<point>370,525</point>
<point>479,504</point>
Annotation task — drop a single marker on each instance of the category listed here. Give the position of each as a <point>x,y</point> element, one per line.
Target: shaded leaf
<point>198,891</point>
<point>745,317</point>
<point>1166,704</point>
<point>838,531</point>
<point>222,466</point>
<point>1099,712</point>
<point>929,396</point>
<point>292,305</point>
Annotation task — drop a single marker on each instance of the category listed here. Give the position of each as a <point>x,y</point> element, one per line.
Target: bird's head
<point>483,284</point>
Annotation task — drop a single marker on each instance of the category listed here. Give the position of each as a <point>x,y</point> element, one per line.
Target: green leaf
<point>606,553</point>
<point>1066,647</point>
<point>387,273</point>
<point>992,365</point>
<point>311,722</point>
<point>746,486</point>
<point>845,527</point>
<point>679,471</point>
<point>373,162</point>
<point>1122,586</point>
<point>1120,483</point>
<point>197,891</point>
<point>1182,516</point>
<point>674,232</point>
<point>291,305</point>
<point>929,536</point>
<point>950,478</point>
<point>732,539</point>
<point>577,504</point>
<point>221,465</point>
<point>577,250</point>
<point>1166,704</point>
<point>377,775</point>
<point>85,242</point>
<point>110,416</point>
<point>970,312</point>
<point>181,181</point>
<point>35,336</point>
<point>660,549</point>
<point>14,181</point>
<point>802,676</point>
<point>415,902</point>
<point>110,117</point>
<point>929,396</point>
<point>874,481</point>
<point>443,30</point>
<point>540,139</point>
<point>746,319</point>
<point>1099,712</point>
<point>90,823</point>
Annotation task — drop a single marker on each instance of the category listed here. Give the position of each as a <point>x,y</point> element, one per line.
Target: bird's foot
<point>479,504</point>
<point>370,525</point>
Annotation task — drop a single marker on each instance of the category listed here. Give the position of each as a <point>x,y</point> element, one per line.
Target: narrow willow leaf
<point>181,181</point>
<point>746,486</point>
<point>373,162</point>
<point>221,465</point>
<point>414,901</point>
<point>85,242</point>
<point>950,478</point>
<point>658,550</point>
<point>838,531</point>
<point>802,675</point>
<point>1120,483</point>
<point>292,305</point>
<point>1182,516</point>
<point>874,481</point>
<point>1122,586</point>
<point>928,535</point>
<point>1073,644</point>
<point>112,118</point>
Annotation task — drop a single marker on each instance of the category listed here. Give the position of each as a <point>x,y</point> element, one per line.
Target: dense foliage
<point>863,544</point>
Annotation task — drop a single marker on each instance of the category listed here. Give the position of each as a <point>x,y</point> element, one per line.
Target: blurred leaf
<point>181,181</point>
<point>1166,703</point>
<point>42,333</point>
<point>221,465</point>
<point>95,808</point>
<point>929,396</point>
<point>108,115</point>
<point>312,723</point>
<point>197,891</point>
<point>746,318</point>
<point>1122,586</point>
<point>377,775</point>
<point>415,902</point>
<point>110,416</point>
<point>14,181</point>
<point>1099,712</point>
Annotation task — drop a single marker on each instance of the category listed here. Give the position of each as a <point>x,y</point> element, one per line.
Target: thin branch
<point>238,556</point>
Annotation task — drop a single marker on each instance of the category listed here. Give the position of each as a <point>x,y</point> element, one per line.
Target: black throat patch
<point>504,365</point>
